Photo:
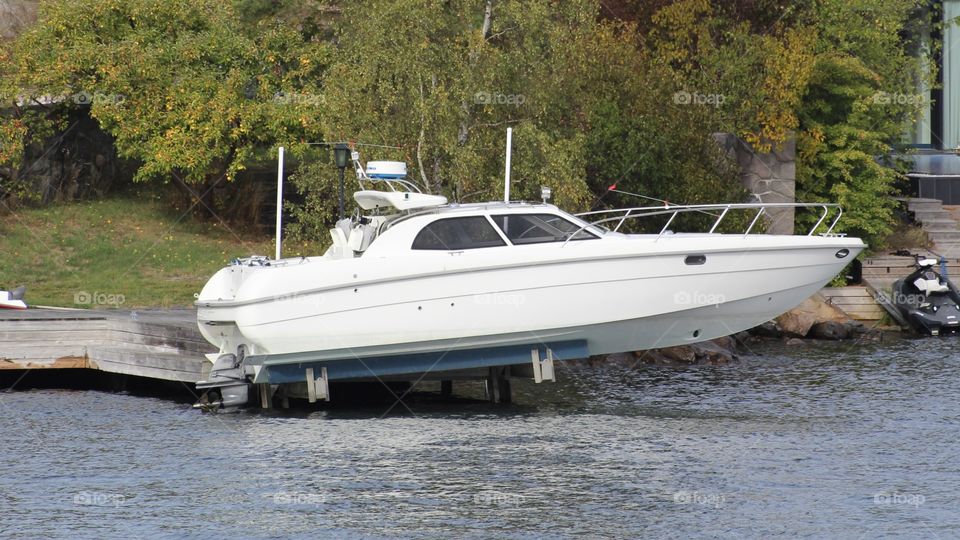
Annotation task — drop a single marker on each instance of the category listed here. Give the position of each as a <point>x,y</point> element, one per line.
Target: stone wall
<point>770,176</point>
<point>15,15</point>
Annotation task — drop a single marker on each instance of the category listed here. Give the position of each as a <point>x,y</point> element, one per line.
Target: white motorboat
<point>414,284</point>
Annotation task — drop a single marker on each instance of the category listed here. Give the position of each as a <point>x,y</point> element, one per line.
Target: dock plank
<point>64,362</point>
<point>842,302</point>
<point>161,344</point>
<point>833,292</point>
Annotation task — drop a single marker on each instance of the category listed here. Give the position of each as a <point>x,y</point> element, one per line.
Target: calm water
<point>818,441</point>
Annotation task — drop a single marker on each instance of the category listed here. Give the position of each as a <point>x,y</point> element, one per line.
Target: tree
<point>861,97</point>
<point>178,84</point>
<point>443,80</point>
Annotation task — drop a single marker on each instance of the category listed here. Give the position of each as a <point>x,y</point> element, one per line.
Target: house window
<point>454,234</point>
<point>539,228</point>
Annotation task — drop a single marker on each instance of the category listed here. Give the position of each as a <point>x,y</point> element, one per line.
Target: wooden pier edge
<point>157,344</point>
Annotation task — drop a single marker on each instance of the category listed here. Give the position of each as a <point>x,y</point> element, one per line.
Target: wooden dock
<point>855,301</point>
<point>159,344</point>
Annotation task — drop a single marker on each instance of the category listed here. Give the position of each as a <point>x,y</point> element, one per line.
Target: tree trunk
<point>207,203</point>
<point>463,134</point>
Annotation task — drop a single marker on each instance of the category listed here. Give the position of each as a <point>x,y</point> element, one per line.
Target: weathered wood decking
<point>855,301</point>
<point>160,344</point>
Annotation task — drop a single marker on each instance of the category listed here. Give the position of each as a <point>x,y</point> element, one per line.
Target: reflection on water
<point>827,440</point>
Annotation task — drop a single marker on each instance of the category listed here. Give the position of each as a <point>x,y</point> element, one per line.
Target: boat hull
<point>678,328</point>
<point>639,296</point>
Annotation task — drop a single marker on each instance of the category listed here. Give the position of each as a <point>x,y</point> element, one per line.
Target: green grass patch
<point>120,252</point>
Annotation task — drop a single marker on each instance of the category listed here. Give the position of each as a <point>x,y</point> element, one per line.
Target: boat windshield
<point>539,228</point>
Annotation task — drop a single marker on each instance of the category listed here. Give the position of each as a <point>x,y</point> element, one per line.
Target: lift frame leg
<point>317,387</point>
<point>543,369</point>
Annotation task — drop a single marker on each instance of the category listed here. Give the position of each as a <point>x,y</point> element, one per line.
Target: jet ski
<point>928,300</point>
<point>13,299</point>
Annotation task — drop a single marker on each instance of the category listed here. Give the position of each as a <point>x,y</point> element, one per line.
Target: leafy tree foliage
<point>861,97</point>
<point>176,82</point>
<point>588,107</point>
<point>822,71</point>
<point>622,92</point>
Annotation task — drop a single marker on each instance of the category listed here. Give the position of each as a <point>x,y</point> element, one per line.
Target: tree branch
<point>420,141</point>
<point>487,17</point>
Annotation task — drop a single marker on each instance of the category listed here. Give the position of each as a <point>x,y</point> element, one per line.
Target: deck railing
<point>620,215</point>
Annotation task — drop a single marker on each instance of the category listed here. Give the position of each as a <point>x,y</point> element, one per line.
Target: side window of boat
<point>539,228</point>
<point>458,233</point>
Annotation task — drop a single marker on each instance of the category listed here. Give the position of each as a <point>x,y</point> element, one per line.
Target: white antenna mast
<point>506,174</point>
<point>279,201</point>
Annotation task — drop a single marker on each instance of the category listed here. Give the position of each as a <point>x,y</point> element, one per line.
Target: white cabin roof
<point>400,200</point>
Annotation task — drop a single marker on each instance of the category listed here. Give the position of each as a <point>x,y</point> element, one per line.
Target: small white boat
<point>416,284</point>
<point>13,299</point>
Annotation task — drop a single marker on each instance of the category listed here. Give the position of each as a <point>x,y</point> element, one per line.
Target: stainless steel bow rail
<point>620,215</point>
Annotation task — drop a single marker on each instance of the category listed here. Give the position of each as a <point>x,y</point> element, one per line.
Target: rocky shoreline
<point>812,321</point>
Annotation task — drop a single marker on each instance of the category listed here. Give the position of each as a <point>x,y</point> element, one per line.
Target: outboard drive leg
<point>226,386</point>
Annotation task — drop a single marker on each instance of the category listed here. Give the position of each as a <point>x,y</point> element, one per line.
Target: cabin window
<point>539,228</point>
<point>453,234</point>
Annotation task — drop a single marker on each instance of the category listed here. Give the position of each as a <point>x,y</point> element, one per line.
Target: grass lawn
<point>121,252</point>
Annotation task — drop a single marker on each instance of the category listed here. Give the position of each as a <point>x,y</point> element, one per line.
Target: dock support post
<point>446,388</point>
<point>543,369</point>
<point>265,401</point>
<point>311,386</point>
<point>506,392</point>
<point>498,386</point>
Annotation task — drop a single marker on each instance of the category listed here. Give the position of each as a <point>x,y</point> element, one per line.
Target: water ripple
<point>827,440</point>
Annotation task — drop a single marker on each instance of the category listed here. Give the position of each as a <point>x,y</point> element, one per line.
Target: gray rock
<point>712,352</point>
<point>683,354</point>
<point>831,330</point>
<point>718,351</point>
<point>768,329</point>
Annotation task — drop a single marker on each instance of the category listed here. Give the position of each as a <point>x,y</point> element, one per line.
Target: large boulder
<point>798,321</point>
